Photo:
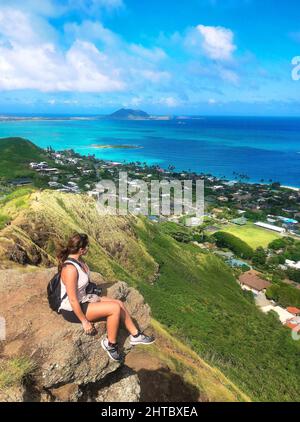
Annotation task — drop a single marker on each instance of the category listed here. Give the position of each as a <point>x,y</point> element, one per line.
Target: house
<point>270,227</point>
<point>252,281</point>
<point>292,264</point>
<point>223,199</point>
<point>225,255</point>
<point>217,187</point>
<point>293,310</point>
<point>242,221</point>
<point>212,229</point>
<point>21,181</point>
<point>293,326</point>
<point>153,218</point>
<point>193,221</point>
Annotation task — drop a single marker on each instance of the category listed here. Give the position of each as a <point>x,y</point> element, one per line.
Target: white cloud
<point>154,55</point>
<point>217,42</point>
<point>230,76</point>
<point>83,69</point>
<point>20,27</point>
<point>92,31</point>
<point>28,60</point>
<point>169,101</point>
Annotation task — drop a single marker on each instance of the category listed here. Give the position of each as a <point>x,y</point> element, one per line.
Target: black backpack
<point>54,289</point>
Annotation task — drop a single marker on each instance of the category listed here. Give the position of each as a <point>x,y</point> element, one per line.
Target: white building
<point>292,264</point>
<point>193,221</point>
<point>270,227</point>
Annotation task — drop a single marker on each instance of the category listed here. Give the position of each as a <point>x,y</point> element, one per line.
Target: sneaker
<point>141,339</point>
<point>112,351</point>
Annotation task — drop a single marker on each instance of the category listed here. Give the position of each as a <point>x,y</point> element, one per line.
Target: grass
<point>15,156</point>
<point>199,302</point>
<point>252,235</point>
<point>14,371</point>
<point>209,381</point>
<point>4,219</point>
<point>14,202</point>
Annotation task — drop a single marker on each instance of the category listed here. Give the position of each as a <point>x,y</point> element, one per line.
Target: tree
<point>277,244</point>
<point>259,257</point>
<point>238,246</point>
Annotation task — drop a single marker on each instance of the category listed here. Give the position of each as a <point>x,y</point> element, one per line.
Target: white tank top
<point>83,281</point>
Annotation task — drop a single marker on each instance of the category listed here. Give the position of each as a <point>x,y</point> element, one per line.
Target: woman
<point>76,305</point>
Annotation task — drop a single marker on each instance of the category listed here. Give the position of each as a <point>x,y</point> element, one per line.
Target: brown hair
<point>76,242</point>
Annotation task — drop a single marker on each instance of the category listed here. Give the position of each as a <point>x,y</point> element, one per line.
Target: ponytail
<point>61,257</point>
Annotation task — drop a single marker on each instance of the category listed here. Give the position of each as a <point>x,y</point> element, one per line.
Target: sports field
<point>253,235</point>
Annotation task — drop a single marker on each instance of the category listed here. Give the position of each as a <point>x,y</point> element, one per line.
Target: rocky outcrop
<point>68,364</point>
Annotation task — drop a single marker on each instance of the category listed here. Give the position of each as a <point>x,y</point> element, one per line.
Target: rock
<point>13,394</point>
<point>122,386</point>
<point>65,358</point>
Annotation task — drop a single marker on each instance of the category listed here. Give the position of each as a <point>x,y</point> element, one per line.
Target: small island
<point>116,146</point>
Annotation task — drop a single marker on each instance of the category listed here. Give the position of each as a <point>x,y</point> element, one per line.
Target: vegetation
<point>254,236</point>
<point>211,384</point>
<point>4,219</point>
<point>293,274</point>
<point>15,156</point>
<point>284,295</point>
<point>238,246</point>
<point>14,371</point>
<point>198,300</point>
<point>289,248</point>
<point>259,257</point>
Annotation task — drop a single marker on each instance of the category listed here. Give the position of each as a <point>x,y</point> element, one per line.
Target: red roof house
<point>294,311</point>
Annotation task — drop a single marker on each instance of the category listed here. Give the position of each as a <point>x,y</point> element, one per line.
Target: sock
<point>138,334</point>
<point>112,344</point>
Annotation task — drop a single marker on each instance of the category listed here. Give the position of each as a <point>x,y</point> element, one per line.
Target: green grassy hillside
<point>193,295</point>
<point>15,156</point>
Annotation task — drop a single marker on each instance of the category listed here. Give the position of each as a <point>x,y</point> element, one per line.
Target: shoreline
<point>95,146</point>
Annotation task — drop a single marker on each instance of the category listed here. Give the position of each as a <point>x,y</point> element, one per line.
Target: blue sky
<point>216,57</point>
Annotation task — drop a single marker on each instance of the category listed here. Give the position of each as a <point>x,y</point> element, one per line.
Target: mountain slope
<point>192,294</point>
<point>15,156</point>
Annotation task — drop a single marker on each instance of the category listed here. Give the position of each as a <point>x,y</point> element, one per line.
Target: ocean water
<point>264,149</point>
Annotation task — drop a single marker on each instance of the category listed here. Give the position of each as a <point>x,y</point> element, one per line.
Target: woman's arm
<point>69,277</point>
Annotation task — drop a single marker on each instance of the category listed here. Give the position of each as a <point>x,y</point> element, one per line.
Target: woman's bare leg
<point>125,316</point>
<point>110,310</point>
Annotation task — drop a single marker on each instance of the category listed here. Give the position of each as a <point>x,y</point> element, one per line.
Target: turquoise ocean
<point>264,149</point>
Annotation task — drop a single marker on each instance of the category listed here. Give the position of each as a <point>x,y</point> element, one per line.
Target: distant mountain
<point>128,114</point>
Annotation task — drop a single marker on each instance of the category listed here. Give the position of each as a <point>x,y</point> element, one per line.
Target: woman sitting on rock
<point>76,305</point>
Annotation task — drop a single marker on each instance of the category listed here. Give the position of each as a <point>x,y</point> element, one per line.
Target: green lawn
<point>254,236</point>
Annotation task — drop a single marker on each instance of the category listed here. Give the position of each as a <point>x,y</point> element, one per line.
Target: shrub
<point>294,275</point>
<point>284,294</point>
<point>238,246</point>
<point>259,257</point>
<point>277,244</point>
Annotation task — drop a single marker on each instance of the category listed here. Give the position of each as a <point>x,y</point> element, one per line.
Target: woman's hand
<point>88,327</point>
